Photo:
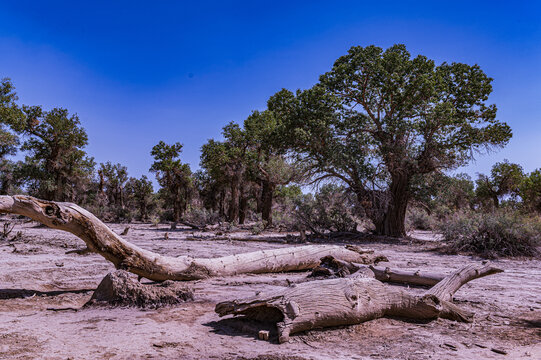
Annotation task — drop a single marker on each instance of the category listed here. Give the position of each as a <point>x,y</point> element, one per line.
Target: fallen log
<point>331,267</point>
<point>126,256</point>
<point>352,300</point>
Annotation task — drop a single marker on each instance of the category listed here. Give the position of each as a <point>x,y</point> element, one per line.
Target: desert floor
<point>39,281</point>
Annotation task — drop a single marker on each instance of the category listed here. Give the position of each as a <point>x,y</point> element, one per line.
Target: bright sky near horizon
<point>139,72</point>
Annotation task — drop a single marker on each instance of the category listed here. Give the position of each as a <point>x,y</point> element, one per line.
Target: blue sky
<point>140,72</point>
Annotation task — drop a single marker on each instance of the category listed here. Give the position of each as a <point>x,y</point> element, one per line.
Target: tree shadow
<point>26,293</point>
<point>243,327</point>
<point>536,324</point>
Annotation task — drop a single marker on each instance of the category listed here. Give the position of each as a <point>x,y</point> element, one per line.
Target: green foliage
<point>500,233</point>
<point>113,180</point>
<point>174,177</point>
<point>379,118</point>
<point>440,194</point>
<point>141,193</point>
<point>56,167</point>
<point>530,191</point>
<point>331,209</point>
<point>505,179</point>
<point>9,115</point>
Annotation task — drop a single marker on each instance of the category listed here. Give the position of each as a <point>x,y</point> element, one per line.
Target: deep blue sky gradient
<point>139,72</point>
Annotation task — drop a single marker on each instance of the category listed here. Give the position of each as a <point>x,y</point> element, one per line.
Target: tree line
<point>378,133</point>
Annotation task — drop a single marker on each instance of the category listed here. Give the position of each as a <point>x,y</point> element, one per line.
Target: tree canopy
<point>380,117</point>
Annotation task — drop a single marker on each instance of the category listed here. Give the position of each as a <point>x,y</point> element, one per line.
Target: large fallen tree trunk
<point>352,300</point>
<point>101,239</point>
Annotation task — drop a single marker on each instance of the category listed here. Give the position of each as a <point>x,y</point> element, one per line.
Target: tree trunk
<point>143,210</point>
<point>176,212</point>
<point>353,300</point>
<point>266,201</point>
<point>257,196</point>
<point>243,206</point>
<point>234,205</point>
<point>222,204</point>
<point>496,201</point>
<point>393,222</point>
<point>126,256</point>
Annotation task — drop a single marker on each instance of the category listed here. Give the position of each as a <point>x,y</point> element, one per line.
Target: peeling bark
<point>352,300</point>
<point>126,256</point>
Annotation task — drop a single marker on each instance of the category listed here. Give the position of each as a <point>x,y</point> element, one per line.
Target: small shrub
<point>258,228</point>
<point>501,233</point>
<point>7,229</point>
<point>418,219</point>
<point>201,216</point>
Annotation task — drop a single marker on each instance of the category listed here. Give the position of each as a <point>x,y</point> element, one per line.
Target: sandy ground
<point>37,278</point>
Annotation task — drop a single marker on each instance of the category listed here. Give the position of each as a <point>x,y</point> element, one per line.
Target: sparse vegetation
<point>346,134</point>
<point>499,233</point>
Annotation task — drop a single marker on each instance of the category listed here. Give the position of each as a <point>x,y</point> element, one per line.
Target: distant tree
<point>211,191</point>
<point>174,177</point>
<point>56,167</point>
<point>505,179</point>
<point>267,163</point>
<point>438,191</point>
<point>379,118</point>
<point>113,179</point>
<point>142,193</point>
<point>10,114</point>
<point>226,163</point>
<point>530,191</point>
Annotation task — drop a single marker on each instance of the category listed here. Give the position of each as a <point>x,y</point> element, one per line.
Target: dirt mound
<point>120,288</point>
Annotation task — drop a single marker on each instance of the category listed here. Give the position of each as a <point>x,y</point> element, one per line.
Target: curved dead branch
<point>126,256</point>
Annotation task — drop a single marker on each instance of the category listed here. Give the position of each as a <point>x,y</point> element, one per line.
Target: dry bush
<point>7,228</point>
<point>500,233</point>
<point>418,219</point>
<point>201,216</point>
<point>332,209</point>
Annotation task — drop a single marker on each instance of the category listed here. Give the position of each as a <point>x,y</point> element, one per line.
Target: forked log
<point>126,256</point>
<point>352,300</point>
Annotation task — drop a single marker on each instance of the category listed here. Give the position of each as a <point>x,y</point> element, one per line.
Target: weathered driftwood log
<point>352,300</point>
<point>126,256</point>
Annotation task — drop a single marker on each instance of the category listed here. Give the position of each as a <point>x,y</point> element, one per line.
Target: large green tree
<point>381,117</point>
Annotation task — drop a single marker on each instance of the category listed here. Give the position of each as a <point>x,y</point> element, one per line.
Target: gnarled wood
<point>126,256</point>
<point>330,266</point>
<point>446,288</point>
<point>351,300</point>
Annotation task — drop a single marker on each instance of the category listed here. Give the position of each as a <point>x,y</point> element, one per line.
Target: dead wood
<point>120,289</point>
<point>352,300</point>
<point>125,232</point>
<point>331,267</point>
<point>126,256</point>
